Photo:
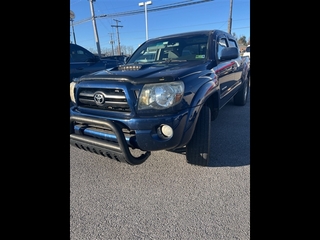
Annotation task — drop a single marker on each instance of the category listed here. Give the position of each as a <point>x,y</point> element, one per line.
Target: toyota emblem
<point>98,98</point>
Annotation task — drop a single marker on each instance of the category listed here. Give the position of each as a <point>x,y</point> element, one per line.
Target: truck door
<point>226,71</point>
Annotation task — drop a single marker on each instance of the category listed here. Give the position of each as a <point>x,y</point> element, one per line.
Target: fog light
<point>165,131</point>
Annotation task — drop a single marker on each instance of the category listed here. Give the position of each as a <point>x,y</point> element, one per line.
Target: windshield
<point>183,48</point>
<point>248,49</point>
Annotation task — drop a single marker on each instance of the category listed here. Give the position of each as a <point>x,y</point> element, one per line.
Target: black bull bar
<point>118,151</point>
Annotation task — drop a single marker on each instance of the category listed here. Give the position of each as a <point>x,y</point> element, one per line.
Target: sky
<point>202,16</point>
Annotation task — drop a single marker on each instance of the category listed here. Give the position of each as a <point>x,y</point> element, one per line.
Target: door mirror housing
<point>229,53</point>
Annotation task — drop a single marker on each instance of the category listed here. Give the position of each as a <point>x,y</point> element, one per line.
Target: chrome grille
<point>109,99</point>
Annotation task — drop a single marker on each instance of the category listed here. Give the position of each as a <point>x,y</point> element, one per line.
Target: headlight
<point>72,96</point>
<point>160,95</point>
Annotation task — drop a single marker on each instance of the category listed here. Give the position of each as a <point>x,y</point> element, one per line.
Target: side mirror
<point>229,53</point>
<point>94,59</point>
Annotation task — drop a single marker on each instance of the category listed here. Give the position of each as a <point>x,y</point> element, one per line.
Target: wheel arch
<point>207,95</point>
<point>213,102</point>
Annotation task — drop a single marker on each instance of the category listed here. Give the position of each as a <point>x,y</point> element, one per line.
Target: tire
<point>198,148</point>
<point>240,99</point>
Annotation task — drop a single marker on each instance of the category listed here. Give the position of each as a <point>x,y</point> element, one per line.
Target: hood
<point>148,72</point>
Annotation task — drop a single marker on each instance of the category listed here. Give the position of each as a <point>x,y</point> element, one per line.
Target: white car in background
<point>247,51</point>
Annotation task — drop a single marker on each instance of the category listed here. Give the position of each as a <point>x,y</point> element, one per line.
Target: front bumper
<point>113,138</point>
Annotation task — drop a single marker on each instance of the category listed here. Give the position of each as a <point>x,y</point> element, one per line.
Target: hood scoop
<point>133,67</point>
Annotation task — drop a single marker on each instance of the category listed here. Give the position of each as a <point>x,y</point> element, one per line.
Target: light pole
<point>230,17</point>
<point>95,27</point>
<point>117,26</point>
<point>74,35</point>
<point>72,16</point>
<point>111,42</point>
<point>146,14</point>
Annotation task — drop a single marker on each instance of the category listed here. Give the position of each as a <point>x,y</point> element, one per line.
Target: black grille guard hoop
<point>120,151</point>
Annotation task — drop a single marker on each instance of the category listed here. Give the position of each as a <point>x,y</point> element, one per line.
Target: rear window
<point>248,49</point>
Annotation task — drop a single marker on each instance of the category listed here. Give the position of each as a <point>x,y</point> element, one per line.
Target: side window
<point>233,43</point>
<point>222,43</point>
<point>80,55</point>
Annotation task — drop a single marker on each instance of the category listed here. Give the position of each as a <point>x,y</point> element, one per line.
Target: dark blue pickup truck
<point>163,98</point>
<point>82,62</point>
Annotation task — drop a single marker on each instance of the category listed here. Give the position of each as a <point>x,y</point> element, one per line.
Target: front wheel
<point>198,148</point>
<point>240,99</point>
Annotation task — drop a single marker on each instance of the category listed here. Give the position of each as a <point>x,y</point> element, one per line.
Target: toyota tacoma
<point>163,98</point>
